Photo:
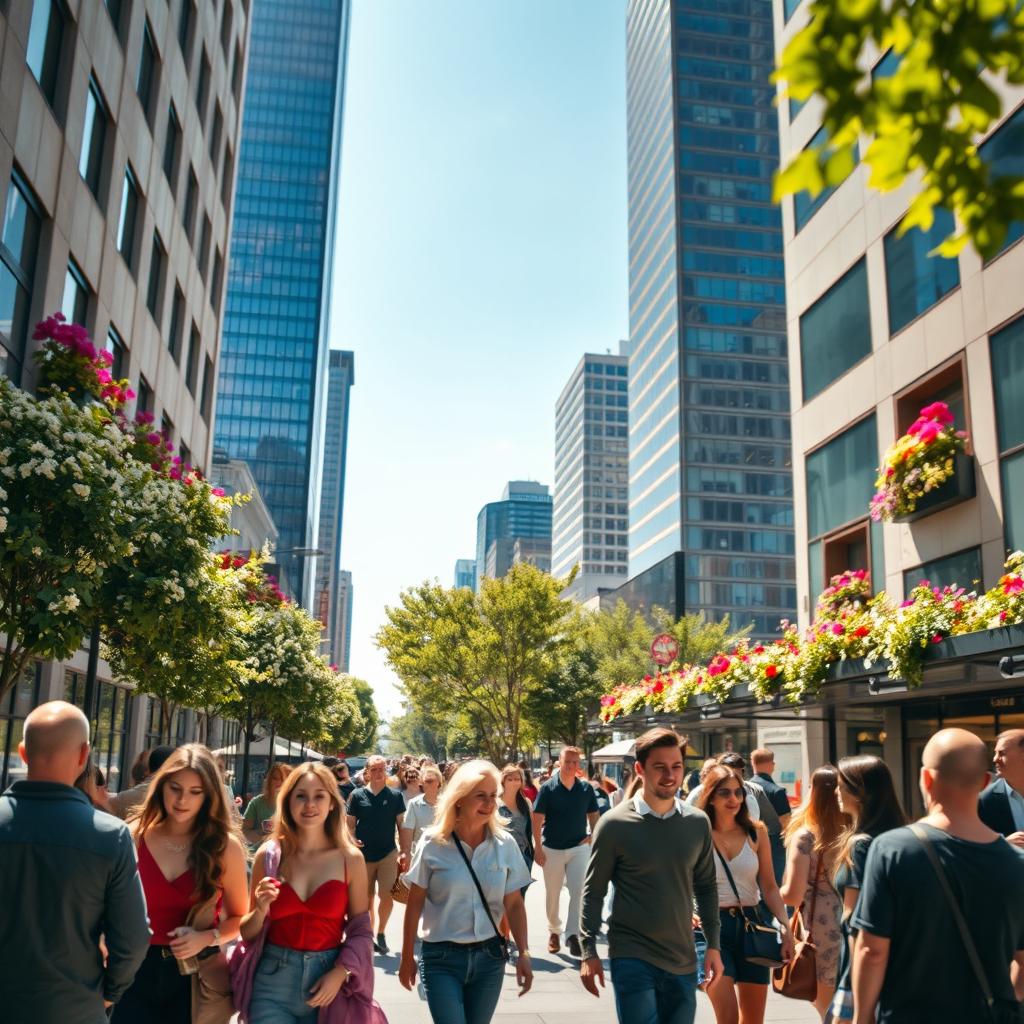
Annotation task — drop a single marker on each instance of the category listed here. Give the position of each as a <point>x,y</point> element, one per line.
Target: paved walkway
<point>557,997</point>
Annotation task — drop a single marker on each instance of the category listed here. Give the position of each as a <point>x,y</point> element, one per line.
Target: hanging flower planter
<point>917,467</point>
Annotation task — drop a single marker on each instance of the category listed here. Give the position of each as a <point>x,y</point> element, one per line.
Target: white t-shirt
<point>418,816</point>
<point>453,911</point>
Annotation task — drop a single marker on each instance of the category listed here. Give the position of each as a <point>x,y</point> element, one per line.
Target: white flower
<point>3,524</point>
<point>37,551</point>
<point>82,490</point>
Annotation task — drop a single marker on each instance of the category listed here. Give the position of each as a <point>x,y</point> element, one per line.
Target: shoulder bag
<point>211,984</point>
<point>1001,1012</point>
<point>502,941</point>
<point>245,957</point>
<point>798,977</point>
<point>761,942</point>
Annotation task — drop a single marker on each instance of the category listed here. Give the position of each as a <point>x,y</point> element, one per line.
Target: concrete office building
<point>272,386</point>
<point>710,486</point>
<point>340,378</point>
<point>118,131</point>
<point>591,474</point>
<point>342,621</point>
<point>524,511</point>
<point>877,329</point>
<point>252,520</point>
<point>465,573</point>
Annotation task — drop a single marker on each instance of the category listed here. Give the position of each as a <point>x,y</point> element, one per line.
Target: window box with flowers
<point>925,471</point>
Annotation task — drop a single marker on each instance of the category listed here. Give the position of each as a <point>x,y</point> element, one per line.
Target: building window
<point>19,701</point>
<point>174,334</point>
<point>116,8</point>
<point>203,88</point>
<point>45,37</point>
<point>18,246</point>
<point>192,362</point>
<point>943,384</point>
<point>127,222</point>
<point>236,73</point>
<point>226,176</point>
<point>789,7</point>
<point>1004,154</point>
<point>914,280</point>
<point>215,135</point>
<point>110,723</point>
<point>115,346</point>
<point>188,208</point>
<point>172,149</point>
<point>144,396</point>
<point>186,455</point>
<point>146,82</point>
<point>840,477</point>
<point>167,427</point>
<point>94,135</point>
<point>207,398</point>
<point>1007,353</point>
<point>186,19</point>
<point>157,268</point>
<point>75,303</point>
<point>805,206</point>
<point>218,280</point>
<point>835,333</point>
<point>226,22</point>
<point>204,247</point>
<point>962,570</point>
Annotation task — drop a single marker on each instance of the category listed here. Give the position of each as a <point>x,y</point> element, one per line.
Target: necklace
<point>176,847</point>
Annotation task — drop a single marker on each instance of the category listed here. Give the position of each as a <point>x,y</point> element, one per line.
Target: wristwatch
<point>216,937</point>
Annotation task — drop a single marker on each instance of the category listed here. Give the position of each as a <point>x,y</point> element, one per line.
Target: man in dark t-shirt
<point>910,962</point>
<point>374,817</point>
<point>763,763</point>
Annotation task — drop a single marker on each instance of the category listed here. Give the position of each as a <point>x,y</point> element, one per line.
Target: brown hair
<point>655,738</point>
<point>140,768</point>
<point>716,775</point>
<point>335,827</point>
<point>213,824</point>
<point>870,781</point>
<point>820,815</point>
<point>277,768</point>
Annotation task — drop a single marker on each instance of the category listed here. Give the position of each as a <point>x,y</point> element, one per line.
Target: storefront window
<point>109,724</point>
<point>962,569</point>
<point>20,700</point>
<point>1007,353</point>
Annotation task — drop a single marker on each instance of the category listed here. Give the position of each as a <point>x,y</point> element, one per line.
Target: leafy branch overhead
<point>924,118</point>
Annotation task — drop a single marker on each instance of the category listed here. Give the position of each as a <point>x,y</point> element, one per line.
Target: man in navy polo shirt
<point>565,806</point>
<point>375,815</point>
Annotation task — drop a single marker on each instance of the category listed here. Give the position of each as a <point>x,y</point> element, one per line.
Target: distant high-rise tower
<point>465,573</point>
<point>524,511</point>
<point>340,378</point>
<point>271,395</point>
<point>591,470</point>
<point>709,443</point>
<point>342,621</point>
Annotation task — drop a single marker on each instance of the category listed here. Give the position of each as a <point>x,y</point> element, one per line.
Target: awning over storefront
<point>615,751</point>
<point>282,749</point>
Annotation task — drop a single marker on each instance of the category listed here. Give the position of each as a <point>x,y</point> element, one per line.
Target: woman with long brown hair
<point>192,866</point>
<point>308,887</point>
<point>745,875</point>
<point>865,793</point>
<point>814,837</point>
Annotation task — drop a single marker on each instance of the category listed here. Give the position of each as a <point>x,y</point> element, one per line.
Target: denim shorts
<point>735,964</point>
<point>282,983</point>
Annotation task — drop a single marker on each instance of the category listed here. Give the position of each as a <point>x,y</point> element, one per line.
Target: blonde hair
<point>335,827</point>
<point>433,772</point>
<point>466,778</point>
<point>277,768</point>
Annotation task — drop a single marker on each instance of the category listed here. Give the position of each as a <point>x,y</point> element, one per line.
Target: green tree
<point>621,644</point>
<point>413,733</point>
<point>363,739</point>
<point>924,118</point>
<point>699,640</point>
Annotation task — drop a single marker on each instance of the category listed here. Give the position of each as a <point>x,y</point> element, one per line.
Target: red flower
<point>937,639</point>
<point>771,671</point>
<point>658,686</point>
<point>862,631</point>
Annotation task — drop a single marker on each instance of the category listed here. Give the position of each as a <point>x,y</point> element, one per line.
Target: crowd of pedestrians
<point>165,903</point>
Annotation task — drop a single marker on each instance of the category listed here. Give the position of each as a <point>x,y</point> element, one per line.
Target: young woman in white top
<point>419,811</point>
<point>458,931</point>
<point>742,991</point>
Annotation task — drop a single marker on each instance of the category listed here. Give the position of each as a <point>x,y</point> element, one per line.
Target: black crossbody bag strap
<point>958,917</point>
<point>487,910</point>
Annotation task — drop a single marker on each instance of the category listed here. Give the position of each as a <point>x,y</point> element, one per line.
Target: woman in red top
<point>189,857</point>
<point>322,883</point>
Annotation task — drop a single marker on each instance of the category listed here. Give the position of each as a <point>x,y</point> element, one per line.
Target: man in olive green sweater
<point>658,853</point>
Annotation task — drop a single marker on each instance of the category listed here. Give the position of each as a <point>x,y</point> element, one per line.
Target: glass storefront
<point>109,726</point>
<point>19,701</point>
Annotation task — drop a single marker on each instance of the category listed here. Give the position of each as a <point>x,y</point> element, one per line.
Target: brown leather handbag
<point>211,985</point>
<point>798,977</point>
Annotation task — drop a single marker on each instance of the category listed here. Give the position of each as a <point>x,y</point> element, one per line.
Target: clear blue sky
<point>481,251</point>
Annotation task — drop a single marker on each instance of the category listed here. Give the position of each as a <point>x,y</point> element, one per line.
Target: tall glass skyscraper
<point>523,512</point>
<point>709,453</point>
<point>271,396</point>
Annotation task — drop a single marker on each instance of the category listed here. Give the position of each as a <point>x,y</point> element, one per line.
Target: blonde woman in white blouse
<point>458,930</point>
<point>419,811</point>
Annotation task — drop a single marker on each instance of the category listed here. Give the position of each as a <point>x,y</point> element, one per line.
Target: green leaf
<point>801,174</point>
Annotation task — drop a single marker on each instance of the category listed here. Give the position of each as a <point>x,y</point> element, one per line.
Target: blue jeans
<point>282,983</point>
<point>462,983</point>
<point>645,994</point>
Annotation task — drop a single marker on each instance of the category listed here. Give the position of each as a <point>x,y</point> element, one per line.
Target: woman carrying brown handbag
<point>814,838</point>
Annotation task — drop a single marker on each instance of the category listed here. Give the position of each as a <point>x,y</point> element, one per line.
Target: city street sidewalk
<point>557,997</point>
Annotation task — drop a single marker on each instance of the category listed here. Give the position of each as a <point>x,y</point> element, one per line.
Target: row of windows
<point>610,370</point>
<point>734,481</point>
<point>739,595</point>
<point>760,399</point>
<point>753,513</point>
<point>728,213</point>
<point>719,567</point>
<point>745,370</point>
<point>754,541</point>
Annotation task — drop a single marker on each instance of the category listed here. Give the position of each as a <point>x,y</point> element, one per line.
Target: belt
<point>204,954</point>
<point>461,945</point>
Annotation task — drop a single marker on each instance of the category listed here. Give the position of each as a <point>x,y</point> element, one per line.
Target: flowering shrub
<point>918,462</point>
<point>848,624</point>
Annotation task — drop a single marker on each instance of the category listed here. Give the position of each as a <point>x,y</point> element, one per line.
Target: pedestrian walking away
<point>1002,804</point>
<point>193,867</point>
<point>744,875</point>
<point>309,922</point>
<point>565,807</point>
<point>813,840</point>
<point>258,820</point>
<point>763,763</point>
<point>657,851</point>
<point>941,910</point>
<point>69,875</point>
<point>375,815</point>
<point>866,795</point>
<point>466,872</point>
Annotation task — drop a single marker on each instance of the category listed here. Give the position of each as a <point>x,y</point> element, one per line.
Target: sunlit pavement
<point>557,997</point>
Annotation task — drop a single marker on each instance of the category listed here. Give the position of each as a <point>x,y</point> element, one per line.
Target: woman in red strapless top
<point>189,856</point>
<point>322,883</point>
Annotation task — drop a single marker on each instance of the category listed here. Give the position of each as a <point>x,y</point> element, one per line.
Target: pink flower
<point>103,376</point>
<point>838,628</point>
<point>719,664</point>
<point>217,492</point>
<point>154,438</point>
<point>938,411</point>
<point>937,639</point>
<point>607,700</point>
<point>1013,585</point>
<point>929,431</point>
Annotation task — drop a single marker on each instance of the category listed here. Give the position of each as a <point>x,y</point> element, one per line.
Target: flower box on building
<point>959,487</point>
